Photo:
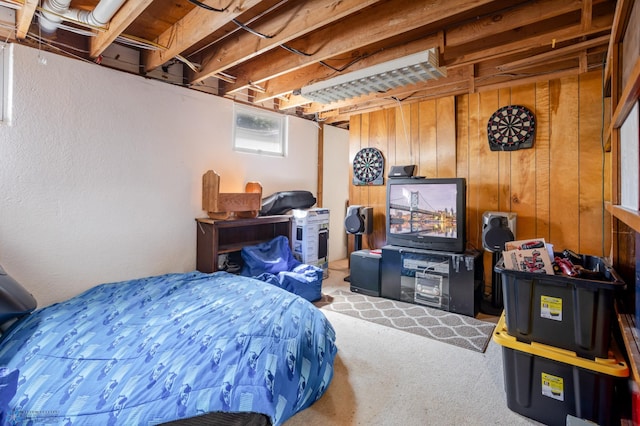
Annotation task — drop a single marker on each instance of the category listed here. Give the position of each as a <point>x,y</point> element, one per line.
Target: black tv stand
<point>444,280</point>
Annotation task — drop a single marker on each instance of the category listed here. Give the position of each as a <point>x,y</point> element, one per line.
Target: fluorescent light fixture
<point>380,78</point>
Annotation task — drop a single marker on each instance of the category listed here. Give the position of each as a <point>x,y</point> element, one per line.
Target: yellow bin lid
<point>613,366</point>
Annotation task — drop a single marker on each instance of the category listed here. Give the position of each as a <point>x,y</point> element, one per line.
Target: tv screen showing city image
<point>427,210</point>
<point>427,213</point>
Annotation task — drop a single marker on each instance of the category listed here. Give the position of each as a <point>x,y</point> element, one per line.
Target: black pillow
<point>282,202</point>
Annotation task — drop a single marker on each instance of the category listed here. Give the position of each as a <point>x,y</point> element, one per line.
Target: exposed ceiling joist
<point>383,21</point>
<point>24,17</point>
<point>191,29</point>
<point>516,43</point>
<point>264,51</point>
<point>571,49</point>
<point>294,20</point>
<point>121,20</point>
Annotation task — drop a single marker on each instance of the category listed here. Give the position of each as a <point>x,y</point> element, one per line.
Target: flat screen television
<point>427,213</point>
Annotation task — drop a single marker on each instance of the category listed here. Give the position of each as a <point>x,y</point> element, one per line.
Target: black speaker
<point>402,171</point>
<point>365,272</point>
<point>496,233</point>
<point>498,228</point>
<point>359,220</point>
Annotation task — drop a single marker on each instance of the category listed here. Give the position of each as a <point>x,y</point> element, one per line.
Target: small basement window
<point>259,131</point>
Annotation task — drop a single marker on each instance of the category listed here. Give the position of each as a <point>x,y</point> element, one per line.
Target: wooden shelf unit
<point>215,237</point>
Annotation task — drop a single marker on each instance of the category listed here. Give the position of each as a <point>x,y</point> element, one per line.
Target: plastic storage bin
<point>547,384</point>
<point>567,312</point>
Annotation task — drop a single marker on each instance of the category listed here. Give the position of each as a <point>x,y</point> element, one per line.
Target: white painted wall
<point>101,173</point>
<point>336,168</point>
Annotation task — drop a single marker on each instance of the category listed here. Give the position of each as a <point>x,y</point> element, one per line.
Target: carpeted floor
<point>459,330</point>
<point>384,376</point>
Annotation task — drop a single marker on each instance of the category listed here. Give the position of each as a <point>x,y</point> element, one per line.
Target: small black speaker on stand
<point>402,171</point>
<point>358,221</point>
<point>498,228</point>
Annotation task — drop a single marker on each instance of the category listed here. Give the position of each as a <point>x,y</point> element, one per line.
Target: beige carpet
<point>385,376</point>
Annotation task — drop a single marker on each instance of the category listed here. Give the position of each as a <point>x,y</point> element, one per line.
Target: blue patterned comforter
<point>162,348</point>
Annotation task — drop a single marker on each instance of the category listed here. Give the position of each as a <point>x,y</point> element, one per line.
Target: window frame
<point>276,135</point>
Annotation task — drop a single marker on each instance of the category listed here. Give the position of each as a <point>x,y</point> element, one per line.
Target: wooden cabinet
<point>215,237</point>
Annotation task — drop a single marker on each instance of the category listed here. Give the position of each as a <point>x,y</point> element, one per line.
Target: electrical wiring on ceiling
<point>286,47</point>
<point>184,60</point>
<point>138,42</point>
<point>251,30</point>
<point>207,7</point>
<point>229,33</point>
<point>54,45</point>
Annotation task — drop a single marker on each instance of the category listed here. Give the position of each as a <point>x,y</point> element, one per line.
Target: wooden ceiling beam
<point>484,44</point>
<point>488,55</point>
<point>519,43</point>
<point>128,13</point>
<point>487,72</point>
<point>495,23</point>
<point>511,19</point>
<point>24,16</point>
<point>196,51</point>
<point>568,50</point>
<point>460,78</point>
<point>508,82</point>
<point>191,29</point>
<point>382,21</point>
<point>293,21</point>
<point>587,10</point>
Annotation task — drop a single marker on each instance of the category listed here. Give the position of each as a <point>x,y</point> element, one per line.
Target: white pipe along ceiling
<point>55,11</point>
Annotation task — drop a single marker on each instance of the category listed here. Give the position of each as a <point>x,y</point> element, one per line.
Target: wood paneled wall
<point>557,188</point>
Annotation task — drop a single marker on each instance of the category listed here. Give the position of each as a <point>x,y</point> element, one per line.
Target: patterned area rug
<point>447,327</point>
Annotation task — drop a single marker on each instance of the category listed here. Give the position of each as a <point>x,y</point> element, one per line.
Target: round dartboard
<point>510,128</point>
<point>368,166</point>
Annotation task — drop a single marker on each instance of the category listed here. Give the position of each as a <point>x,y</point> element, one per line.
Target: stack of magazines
<point>529,256</point>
